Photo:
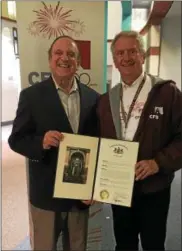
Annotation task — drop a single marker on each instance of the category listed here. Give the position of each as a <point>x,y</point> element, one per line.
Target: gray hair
<point>134,34</point>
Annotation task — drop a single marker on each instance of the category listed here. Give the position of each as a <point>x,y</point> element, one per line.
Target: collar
<point>73,89</point>
<point>135,83</point>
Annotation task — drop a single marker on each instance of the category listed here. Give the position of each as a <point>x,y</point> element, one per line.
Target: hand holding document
<point>90,168</point>
<point>88,202</point>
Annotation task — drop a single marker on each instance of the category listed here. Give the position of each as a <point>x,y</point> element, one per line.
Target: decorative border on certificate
<point>115,172</point>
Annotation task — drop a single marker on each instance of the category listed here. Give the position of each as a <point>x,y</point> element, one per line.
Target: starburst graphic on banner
<point>78,27</point>
<point>53,22</point>
<point>33,29</point>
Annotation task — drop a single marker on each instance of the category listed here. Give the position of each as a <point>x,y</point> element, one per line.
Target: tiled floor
<point>14,196</point>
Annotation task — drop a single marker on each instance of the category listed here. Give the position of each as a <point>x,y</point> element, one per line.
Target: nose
<point>126,55</point>
<point>65,57</point>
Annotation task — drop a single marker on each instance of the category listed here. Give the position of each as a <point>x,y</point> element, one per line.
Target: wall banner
<point>39,23</point>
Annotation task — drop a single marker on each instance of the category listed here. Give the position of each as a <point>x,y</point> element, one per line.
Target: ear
<point>143,58</point>
<point>78,61</point>
<point>115,62</point>
<point>78,65</point>
<point>49,62</point>
<point>49,59</point>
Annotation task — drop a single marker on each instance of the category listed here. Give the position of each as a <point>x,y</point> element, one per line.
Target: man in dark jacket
<point>45,110</point>
<point>147,110</point>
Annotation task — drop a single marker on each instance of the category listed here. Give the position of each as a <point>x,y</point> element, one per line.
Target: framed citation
<point>96,168</point>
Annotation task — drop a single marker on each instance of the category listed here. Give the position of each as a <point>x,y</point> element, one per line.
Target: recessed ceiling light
<point>146,1</point>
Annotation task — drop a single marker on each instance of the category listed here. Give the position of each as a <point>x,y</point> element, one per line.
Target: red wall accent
<point>153,51</point>
<point>85,51</point>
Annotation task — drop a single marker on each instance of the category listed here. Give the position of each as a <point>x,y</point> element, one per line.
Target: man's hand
<point>52,138</point>
<point>88,202</point>
<point>145,168</point>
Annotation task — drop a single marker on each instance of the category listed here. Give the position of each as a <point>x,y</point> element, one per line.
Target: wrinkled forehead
<point>126,43</point>
<point>65,44</point>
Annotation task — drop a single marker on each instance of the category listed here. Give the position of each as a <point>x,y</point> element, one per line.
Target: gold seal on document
<point>104,194</point>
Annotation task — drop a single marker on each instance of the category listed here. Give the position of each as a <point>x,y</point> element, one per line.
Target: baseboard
<point>5,123</point>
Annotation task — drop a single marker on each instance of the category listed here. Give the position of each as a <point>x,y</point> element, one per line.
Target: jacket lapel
<point>114,99</point>
<point>156,83</point>
<point>83,101</point>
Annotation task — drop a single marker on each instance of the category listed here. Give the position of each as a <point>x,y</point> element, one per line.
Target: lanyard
<point>126,117</point>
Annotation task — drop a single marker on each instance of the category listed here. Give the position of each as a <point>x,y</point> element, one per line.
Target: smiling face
<point>128,58</point>
<point>63,59</point>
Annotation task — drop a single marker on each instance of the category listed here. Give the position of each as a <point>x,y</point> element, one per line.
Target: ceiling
<point>141,3</point>
<point>175,9</point>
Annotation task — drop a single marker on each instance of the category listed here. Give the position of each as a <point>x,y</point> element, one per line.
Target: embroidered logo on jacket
<point>158,111</point>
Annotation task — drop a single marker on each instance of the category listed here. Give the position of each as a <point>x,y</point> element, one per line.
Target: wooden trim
<point>158,12</point>
<point>5,123</point>
<point>9,19</point>
<point>153,51</point>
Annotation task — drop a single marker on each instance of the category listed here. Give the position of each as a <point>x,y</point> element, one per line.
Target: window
<point>15,41</point>
<point>139,18</point>
<point>12,9</point>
